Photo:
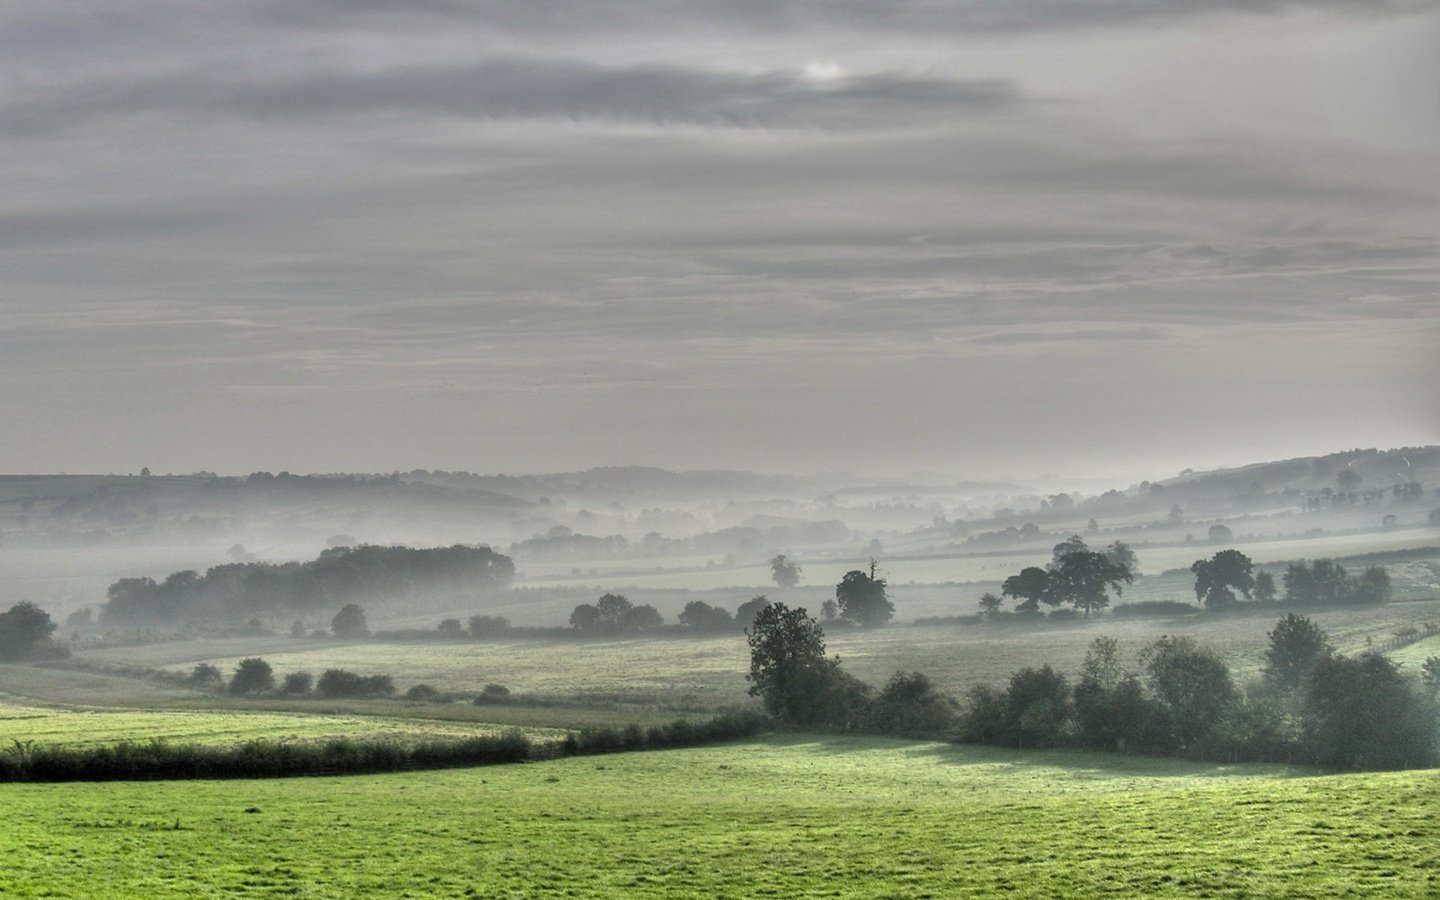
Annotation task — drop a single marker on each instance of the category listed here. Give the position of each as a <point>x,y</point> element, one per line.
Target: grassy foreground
<point>783,816</point>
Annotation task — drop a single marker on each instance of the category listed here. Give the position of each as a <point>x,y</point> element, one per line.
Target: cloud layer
<point>977,236</point>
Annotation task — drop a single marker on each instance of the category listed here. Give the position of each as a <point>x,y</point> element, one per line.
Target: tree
<point>785,572</point>
<point>910,705</point>
<point>1037,706</point>
<point>862,599</point>
<point>701,616</point>
<point>788,668</point>
<point>340,683</point>
<point>1030,588</point>
<point>1073,544</point>
<point>1264,589</point>
<point>206,674</point>
<point>1084,579</point>
<point>641,618</point>
<point>24,628</point>
<point>1296,646</point>
<point>450,626</point>
<point>1122,555</point>
<point>1219,534</point>
<point>989,605</point>
<point>1373,586</point>
<point>1348,479</point>
<point>745,614</point>
<point>484,626</point>
<point>252,676</point>
<point>1192,682</point>
<point>297,683</point>
<point>349,623</point>
<point>1360,714</point>
<point>829,611</point>
<point>1321,583</point>
<point>613,609</point>
<point>585,617</point>
<point>1216,576</point>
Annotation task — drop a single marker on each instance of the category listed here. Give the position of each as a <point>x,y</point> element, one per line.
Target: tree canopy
<point>863,600</point>
<point>1217,578</point>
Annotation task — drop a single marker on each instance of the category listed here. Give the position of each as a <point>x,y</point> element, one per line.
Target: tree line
<point>1312,705</point>
<point>337,575</point>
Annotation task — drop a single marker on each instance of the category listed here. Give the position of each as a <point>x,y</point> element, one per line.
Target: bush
<point>910,706</point>
<point>297,683</point>
<point>423,693</point>
<point>206,674</point>
<point>252,676</point>
<point>1147,608</point>
<point>340,683</point>
<point>493,693</point>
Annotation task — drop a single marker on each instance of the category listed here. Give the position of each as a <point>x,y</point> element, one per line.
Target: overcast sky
<point>981,236</point>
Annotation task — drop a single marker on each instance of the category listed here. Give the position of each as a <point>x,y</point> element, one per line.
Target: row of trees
<point>340,574</point>
<point>1311,705</point>
<point>256,676</point>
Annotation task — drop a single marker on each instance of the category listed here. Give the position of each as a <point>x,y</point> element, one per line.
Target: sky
<point>979,237</point>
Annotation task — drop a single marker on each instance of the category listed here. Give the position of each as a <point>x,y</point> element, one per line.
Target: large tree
<point>350,622</point>
<point>1192,682</point>
<point>23,628</point>
<point>787,647</point>
<point>1296,646</point>
<point>1084,579</point>
<point>1029,589</point>
<point>863,600</point>
<point>1217,578</point>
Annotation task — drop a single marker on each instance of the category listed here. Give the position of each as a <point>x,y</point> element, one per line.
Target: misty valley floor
<point>783,816</point>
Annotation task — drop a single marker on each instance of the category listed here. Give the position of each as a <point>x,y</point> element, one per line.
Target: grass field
<point>703,673</point>
<point>94,727</point>
<point>783,816</point>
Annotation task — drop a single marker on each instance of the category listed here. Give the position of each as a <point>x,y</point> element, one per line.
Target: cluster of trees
<point>25,631</point>
<point>256,676</point>
<point>1076,576</point>
<point>1311,705</point>
<point>1326,583</point>
<point>338,575</point>
<point>615,614</point>
<point>799,684</point>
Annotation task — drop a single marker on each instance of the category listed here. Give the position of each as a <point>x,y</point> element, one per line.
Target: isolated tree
<point>483,626</point>
<point>829,611</point>
<point>989,605</point>
<point>1264,589</point>
<point>1029,589</point>
<point>450,626</point>
<point>1084,579</point>
<point>206,674</point>
<point>746,612</point>
<point>24,627</point>
<point>1296,646</point>
<point>252,676</point>
<point>862,598</point>
<point>1176,516</point>
<point>1219,534</point>
<point>1217,578</point>
<point>1348,480</point>
<point>785,571</point>
<point>349,623</point>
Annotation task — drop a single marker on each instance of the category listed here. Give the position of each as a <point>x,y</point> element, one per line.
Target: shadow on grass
<point>1080,765</point>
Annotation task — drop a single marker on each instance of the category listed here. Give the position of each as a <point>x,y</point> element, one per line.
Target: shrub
<point>297,683</point>
<point>206,674</point>
<point>423,693</point>
<point>252,676</point>
<point>340,683</point>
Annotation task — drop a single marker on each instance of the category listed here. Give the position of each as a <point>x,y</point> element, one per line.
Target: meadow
<point>684,673</point>
<point>786,815</point>
<point>99,726</point>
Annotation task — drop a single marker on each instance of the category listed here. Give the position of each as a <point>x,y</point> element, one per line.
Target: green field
<point>784,816</point>
<point>679,673</point>
<point>92,727</point>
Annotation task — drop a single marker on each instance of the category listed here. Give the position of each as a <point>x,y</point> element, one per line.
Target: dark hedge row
<point>160,760</point>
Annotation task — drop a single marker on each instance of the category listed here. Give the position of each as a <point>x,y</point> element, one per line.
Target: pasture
<point>101,726</point>
<point>682,673</point>
<point>787,815</point>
